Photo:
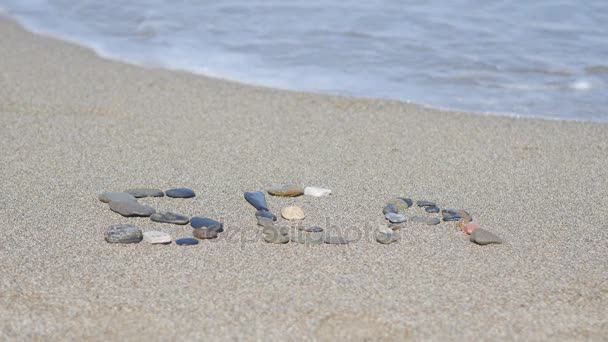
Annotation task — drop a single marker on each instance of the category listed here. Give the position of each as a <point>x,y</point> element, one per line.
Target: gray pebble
<point>139,193</point>
<point>180,193</point>
<point>167,217</point>
<point>426,220</point>
<point>205,222</point>
<point>386,236</point>
<point>390,208</point>
<point>108,197</point>
<point>483,237</point>
<point>124,233</point>
<point>432,209</point>
<point>395,218</point>
<point>401,203</point>
<point>131,208</point>
<point>423,203</point>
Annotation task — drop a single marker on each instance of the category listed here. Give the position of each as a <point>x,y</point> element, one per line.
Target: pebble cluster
<point>394,213</point>
<point>125,203</point>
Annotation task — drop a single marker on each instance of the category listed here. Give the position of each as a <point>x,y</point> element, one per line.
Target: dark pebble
<point>268,214</point>
<point>400,203</point>
<point>407,200</point>
<point>205,222</point>
<point>450,217</point>
<point>180,193</point>
<point>422,203</point>
<point>186,241</point>
<point>139,193</point>
<point>257,200</point>
<point>124,233</point>
<point>483,237</point>
<point>167,217</point>
<point>432,209</point>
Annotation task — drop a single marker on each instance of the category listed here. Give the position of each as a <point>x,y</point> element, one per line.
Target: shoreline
<point>74,125</point>
<point>100,54</point>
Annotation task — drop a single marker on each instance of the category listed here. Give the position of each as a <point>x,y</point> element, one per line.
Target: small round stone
<point>167,217</point>
<point>180,193</point>
<point>286,191</point>
<point>431,221</point>
<point>131,208</point>
<point>432,209</point>
<point>401,203</point>
<point>395,218</point>
<point>205,222</point>
<point>423,203</point>
<point>316,192</point>
<point>204,233</point>
<point>143,192</point>
<point>156,237</point>
<point>386,235</point>
<point>186,241</point>
<point>263,213</point>
<point>292,213</point>
<point>108,197</point>
<point>123,233</point>
<point>312,229</point>
<point>390,208</point>
<point>483,237</point>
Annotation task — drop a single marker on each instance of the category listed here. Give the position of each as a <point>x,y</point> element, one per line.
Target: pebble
<point>167,217</point>
<point>275,235</point>
<point>312,229</point>
<point>468,227</point>
<point>124,233</point>
<point>483,237</point>
<point>423,203</point>
<point>395,218</point>
<point>286,191</point>
<point>186,241</point>
<point>386,235</point>
<point>156,237</point>
<point>390,208</point>
<point>401,203</point>
<point>205,222</point>
<point>257,200</point>
<point>139,193</point>
<point>131,208</point>
<point>335,240</point>
<point>431,221</point>
<point>316,192</point>
<point>292,213</point>
<point>432,210</point>
<point>204,233</point>
<point>464,215</point>
<point>268,214</point>
<point>180,193</point>
<point>307,238</point>
<point>108,197</point>
<point>265,221</point>
<point>450,215</point>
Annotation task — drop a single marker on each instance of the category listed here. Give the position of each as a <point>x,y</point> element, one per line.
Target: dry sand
<point>73,125</point>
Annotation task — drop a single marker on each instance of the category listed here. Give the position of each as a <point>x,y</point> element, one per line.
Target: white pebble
<point>154,237</point>
<point>316,192</point>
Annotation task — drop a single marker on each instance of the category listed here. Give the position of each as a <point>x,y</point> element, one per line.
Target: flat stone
<point>307,238</point>
<point>292,213</point>
<point>143,192</point>
<point>468,227</point>
<point>186,241</point>
<point>204,233</point>
<point>167,217</point>
<point>108,197</point>
<point>268,214</point>
<point>335,240</point>
<point>316,192</point>
<point>432,210</point>
<point>131,208</point>
<point>423,203</point>
<point>180,193</point>
<point>205,222</point>
<point>386,235</point>
<point>450,215</point>
<point>483,237</point>
<point>312,229</point>
<point>265,221</point>
<point>395,218</point>
<point>286,190</point>
<point>124,233</point>
<point>156,237</point>
<point>401,203</point>
<point>275,235</point>
<point>431,221</point>
<point>257,200</point>
<point>390,208</point>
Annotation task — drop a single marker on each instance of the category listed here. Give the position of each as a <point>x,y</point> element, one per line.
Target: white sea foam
<point>531,58</point>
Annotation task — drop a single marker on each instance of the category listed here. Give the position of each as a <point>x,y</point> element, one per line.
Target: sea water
<point>545,58</point>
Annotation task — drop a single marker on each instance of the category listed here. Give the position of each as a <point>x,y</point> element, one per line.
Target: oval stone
<point>483,237</point>
<point>167,217</point>
<point>401,203</point>
<point>316,192</point>
<point>432,209</point>
<point>204,233</point>
<point>180,193</point>
<point>286,191</point>
<point>186,241</point>
<point>423,203</point>
<point>395,218</point>
<point>205,222</point>
<point>292,213</point>
<point>131,208</point>
<point>386,235</point>
<point>108,197</point>
<point>143,192</point>
<point>124,233</point>
<point>257,200</point>
<point>156,237</point>
<point>267,214</point>
<point>390,208</point>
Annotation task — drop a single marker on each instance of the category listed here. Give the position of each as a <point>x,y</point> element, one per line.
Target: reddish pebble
<point>469,227</point>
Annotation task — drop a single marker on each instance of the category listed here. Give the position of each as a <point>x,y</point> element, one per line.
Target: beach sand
<point>73,125</point>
